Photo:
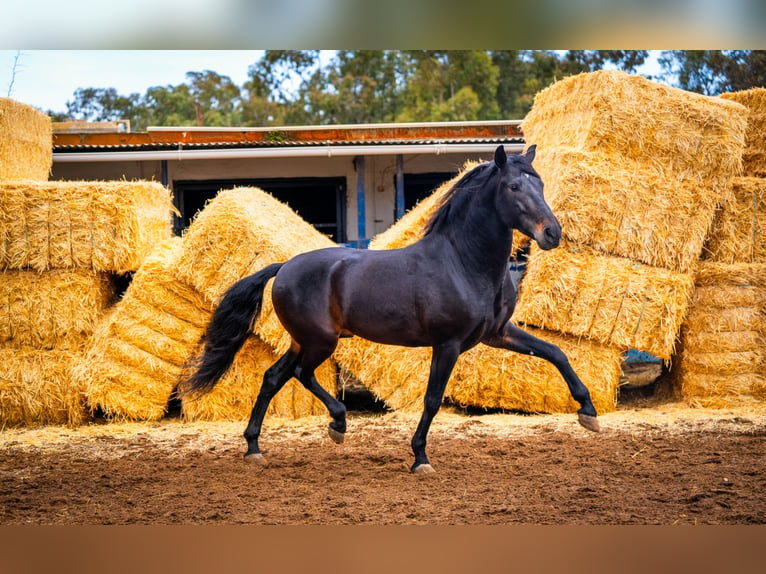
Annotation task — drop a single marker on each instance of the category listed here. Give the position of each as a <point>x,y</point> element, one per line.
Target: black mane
<point>454,201</point>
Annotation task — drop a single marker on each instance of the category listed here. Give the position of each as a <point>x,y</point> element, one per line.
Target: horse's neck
<point>482,242</point>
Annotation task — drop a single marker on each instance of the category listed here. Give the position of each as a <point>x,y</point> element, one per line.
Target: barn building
<point>350,181</point>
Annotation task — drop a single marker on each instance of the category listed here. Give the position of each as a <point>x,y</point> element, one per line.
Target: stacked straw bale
<point>486,377</point>
<point>483,377</point>
<point>26,142</point>
<point>36,387</point>
<point>42,309</point>
<point>144,347</point>
<point>634,170</point>
<point>737,234</point>
<point>721,361</point>
<point>136,357</point>
<point>241,231</point>
<point>612,300</point>
<point>105,226</point>
<point>754,155</point>
<point>60,245</point>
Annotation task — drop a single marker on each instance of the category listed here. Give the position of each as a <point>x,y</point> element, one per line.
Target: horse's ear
<point>500,158</point>
<point>530,155</point>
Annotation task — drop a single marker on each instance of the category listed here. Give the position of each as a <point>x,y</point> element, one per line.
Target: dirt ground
<point>662,465</point>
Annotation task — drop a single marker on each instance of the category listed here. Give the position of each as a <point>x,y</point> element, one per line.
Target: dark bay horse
<point>449,291</point>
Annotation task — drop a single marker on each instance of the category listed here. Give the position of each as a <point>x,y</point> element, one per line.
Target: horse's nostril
<point>552,234</point>
<point>549,233</point>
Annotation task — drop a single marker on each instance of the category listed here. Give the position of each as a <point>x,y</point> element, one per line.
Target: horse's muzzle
<point>549,236</point>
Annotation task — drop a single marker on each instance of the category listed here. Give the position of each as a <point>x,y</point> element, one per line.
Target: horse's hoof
<point>589,422</point>
<point>423,469</point>
<point>255,458</point>
<point>337,437</point>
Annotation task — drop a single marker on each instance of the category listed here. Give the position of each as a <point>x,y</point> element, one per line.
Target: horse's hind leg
<point>515,339</point>
<point>273,380</point>
<point>310,360</point>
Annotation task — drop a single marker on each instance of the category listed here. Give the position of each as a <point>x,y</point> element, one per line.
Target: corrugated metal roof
<point>299,136</point>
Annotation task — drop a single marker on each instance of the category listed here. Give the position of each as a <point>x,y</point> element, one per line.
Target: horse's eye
<point>514,187</point>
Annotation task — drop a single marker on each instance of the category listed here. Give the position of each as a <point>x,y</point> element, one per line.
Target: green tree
<point>357,86</point>
<point>102,105</point>
<point>219,98</point>
<point>168,106</point>
<point>450,85</point>
<point>713,72</point>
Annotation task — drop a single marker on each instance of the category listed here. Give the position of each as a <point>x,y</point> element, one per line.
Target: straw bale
<point>105,226</point>
<point>723,362</point>
<point>721,391</point>
<point>617,113</point>
<point>411,227</point>
<point>754,163</point>
<point>744,295</point>
<point>36,387</point>
<point>26,142</point>
<point>40,309</point>
<point>137,355</point>
<point>395,375</point>
<point>754,156</point>
<point>721,353</point>
<point>718,274</point>
<point>638,210</point>
<point>233,397</point>
<point>496,378</point>
<point>485,377</point>
<point>612,300</point>
<point>733,341</point>
<point>737,234</point>
<point>239,232</point>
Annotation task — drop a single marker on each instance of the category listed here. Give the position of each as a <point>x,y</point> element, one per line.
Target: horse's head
<point>520,200</point>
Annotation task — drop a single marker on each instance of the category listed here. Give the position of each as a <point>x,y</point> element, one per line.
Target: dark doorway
<point>319,200</point>
<point>418,186</point>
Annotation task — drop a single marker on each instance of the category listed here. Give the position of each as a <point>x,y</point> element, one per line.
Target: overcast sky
<point>46,79</point>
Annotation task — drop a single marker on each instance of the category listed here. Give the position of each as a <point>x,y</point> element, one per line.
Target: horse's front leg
<point>442,362</point>
<point>515,339</point>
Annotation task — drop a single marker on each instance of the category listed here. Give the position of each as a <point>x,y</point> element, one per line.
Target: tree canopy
<point>291,87</point>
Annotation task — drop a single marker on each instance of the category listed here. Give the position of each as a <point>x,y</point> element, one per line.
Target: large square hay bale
<point>137,355</point>
<point>41,309</point>
<point>610,112</point>
<point>739,227</point>
<point>721,360</point>
<point>639,210</point>
<point>108,226</point>
<point>232,399</point>
<point>26,142</point>
<point>579,291</point>
<point>754,155</point>
<point>36,387</point>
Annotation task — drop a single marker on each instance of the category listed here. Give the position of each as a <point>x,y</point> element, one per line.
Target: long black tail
<point>231,324</point>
